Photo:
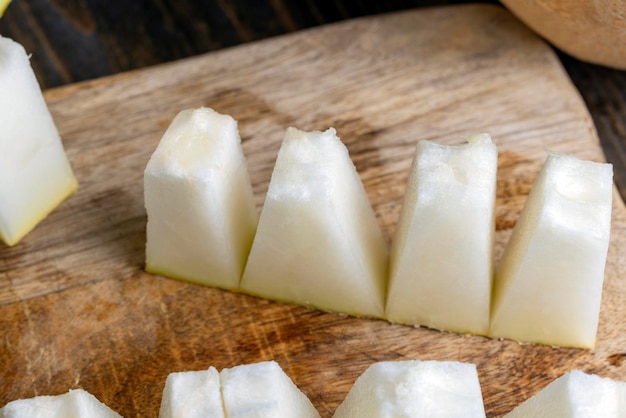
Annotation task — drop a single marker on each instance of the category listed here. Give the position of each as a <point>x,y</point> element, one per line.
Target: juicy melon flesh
<point>413,388</point>
<point>318,242</point>
<point>194,394</point>
<point>35,175</point>
<point>74,404</point>
<point>576,395</point>
<point>199,201</point>
<point>263,390</point>
<point>441,263</point>
<point>258,390</point>
<point>548,285</point>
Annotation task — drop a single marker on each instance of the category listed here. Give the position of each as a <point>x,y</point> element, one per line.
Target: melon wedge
<point>263,390</point>
<point>414,388</point>
<point>199,201</point>
<point>74,404</point>
<point>35,175</point>
<point>318,242</point>
<point>548,285</point>
<point>441,262</point>
<point>194,394</point>
<point>576,395</point>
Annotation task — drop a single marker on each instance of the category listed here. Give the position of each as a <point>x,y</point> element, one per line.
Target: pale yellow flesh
<point>318,242</point>
<point>74,404</point>
<point>442,255</point>
<point>576,395</point>
<point>35,175</point>
<point>199,201</point>
<point>548,286</point>
<point>413,388</point>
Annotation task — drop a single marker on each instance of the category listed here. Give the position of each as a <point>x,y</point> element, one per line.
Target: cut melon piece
<point>74,404</point>
<point>414,388</point>
<point>318,242</point>
<point>548,285</point>
<point>263,390</point>
<point>199,201</point>
<point>441,263</point>
<point>35,175</point>
<point>576,395</point>
<point>195,394</point>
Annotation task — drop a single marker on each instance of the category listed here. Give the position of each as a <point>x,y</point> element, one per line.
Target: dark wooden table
<point>75,40</point>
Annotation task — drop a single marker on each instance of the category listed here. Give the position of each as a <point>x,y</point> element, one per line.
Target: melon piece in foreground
<point>414,388</point>
<point>263,390</point>
<point>194,394</point>
<point>35,174</point>
<point>548,285</point>
<point>441,262</point>
<point>318,242</point>
<point>74,404</point>
<point>576,395</point>
<point>199,201</point>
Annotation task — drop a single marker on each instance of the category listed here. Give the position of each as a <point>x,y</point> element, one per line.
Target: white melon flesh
<point>548,285</point>
<point>318,241</point>
<point>74,404</point>
<point>35,175</point>
<point>194,394</point>
<point>576,395</point>
<point>441,262</point>
<point>263,390</point>
<point>413,388</point>
<point>199,201</point>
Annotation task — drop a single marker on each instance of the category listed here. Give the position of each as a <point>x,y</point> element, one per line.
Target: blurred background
<point>77,40</point>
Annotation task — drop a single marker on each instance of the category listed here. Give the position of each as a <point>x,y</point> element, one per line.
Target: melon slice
<point>195,394</point>
<point>35,175</point>
<point>576,395</point>
<point>548,285</point>
<point>74,404</point>
<point>199,201</point>
<point>441,263</point>
<point>318,242</point>
<point>263,390</point>
<point>413,388</point>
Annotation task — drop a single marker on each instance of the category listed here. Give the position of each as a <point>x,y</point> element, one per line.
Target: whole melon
<point>590,30</point>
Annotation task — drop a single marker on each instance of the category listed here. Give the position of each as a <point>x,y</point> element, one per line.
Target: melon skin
<point>592,31</point>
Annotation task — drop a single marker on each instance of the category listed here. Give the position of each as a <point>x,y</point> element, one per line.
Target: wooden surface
<point>77,310</point>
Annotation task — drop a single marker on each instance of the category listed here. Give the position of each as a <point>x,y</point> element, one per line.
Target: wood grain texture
<point>77,310</point>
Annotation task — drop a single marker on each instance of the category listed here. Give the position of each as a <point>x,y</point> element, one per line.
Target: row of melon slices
<point>318,243</point>
<point>409,388</point>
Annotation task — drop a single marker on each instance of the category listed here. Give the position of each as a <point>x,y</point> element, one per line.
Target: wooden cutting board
<point>77,310</point>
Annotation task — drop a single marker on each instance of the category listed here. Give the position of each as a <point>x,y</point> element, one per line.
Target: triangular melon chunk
<point>576,395</point>
<point>194,394</point>
<point>548,285</point>
<point>74,404</point>
<point>413,388</point>
<point>263,390</point>
<point>318,242</point>
<point>199,200</point>
<point>441,263</point>
<point>35,174</point>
